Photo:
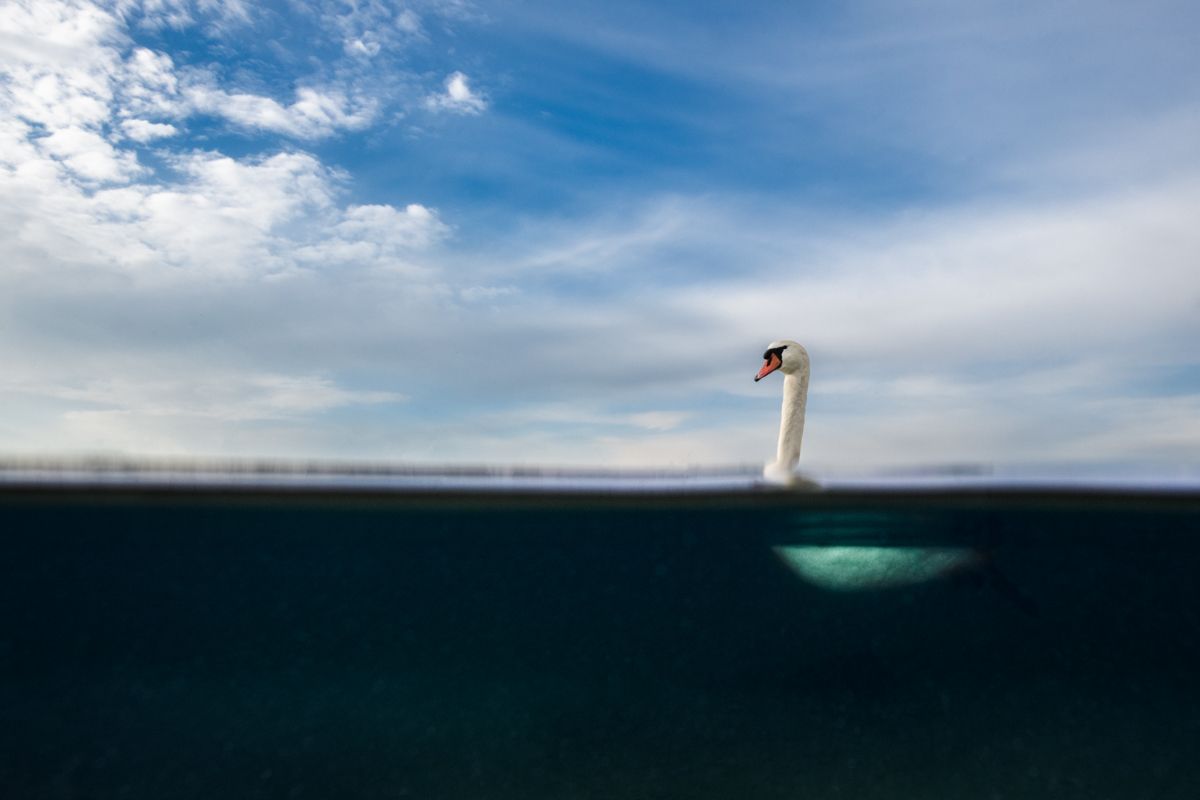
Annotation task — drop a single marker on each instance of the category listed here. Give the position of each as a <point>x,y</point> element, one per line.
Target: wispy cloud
<point>313,114</point>
<point>368,29</point>
<point>229,396</point>
<point>216,15</point>
<point>458,96</point>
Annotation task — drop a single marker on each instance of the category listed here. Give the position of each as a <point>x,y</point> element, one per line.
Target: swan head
<point>784,355</point>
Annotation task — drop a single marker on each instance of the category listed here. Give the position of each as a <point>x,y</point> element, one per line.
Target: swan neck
<point>791,425</point>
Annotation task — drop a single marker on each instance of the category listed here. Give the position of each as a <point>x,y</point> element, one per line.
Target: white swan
<point>791,359</point>
<point>842,567</point>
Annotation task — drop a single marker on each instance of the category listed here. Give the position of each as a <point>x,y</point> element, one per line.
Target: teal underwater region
<point>229,645</point>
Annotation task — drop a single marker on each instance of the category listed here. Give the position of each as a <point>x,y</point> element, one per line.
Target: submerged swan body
<point>848,567</point>
<point>851,567</point>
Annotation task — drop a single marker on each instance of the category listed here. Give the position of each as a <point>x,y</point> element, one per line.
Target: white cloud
<point>217,15</point>
<point>237,11</point>
<point>89,156</point>
<point>658,420</point>
<point>458,97</point>
<point>365,46</point>
<point>1073,276</point>
<point>313,115</point>
<point>377,237</point>
<point>368,29</point>
<point>262,193</point>
<point>589,415</point>
<point>162,13</point>
<point>1141,429</point>
<point>487,294</point>
<point>223,216</point>
<point>408,22</point>
<point>84,197</point>
<point>41,32</point>
<point>143,131</point>
<point>192,411</point>
<point>623,236</point>
<point>56,62</point>
<point>78,78</point>
<point>229,217</point>
<point>150,84</point>
<point>229,396</point>
<point>413,227</point>
<point>74,64</point>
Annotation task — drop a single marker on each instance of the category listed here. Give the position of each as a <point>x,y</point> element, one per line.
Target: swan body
<point>854,567</point>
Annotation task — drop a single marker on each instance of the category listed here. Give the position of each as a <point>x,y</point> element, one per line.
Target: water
<point>206,639</point>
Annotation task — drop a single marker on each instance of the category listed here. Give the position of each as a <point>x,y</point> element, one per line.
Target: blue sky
<point>523,233</point>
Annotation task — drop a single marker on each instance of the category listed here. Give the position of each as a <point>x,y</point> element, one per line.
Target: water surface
<point>342,639</point>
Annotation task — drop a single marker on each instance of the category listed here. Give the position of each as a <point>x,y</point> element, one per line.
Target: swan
<point>848,567</point>
<point>791,359</point>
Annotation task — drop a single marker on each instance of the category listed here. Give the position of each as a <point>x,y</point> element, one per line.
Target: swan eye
<point>778,351</point>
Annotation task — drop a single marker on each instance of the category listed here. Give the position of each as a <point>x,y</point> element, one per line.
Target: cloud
<point>77,64</point>
<point>458,97</point>
<point>313,115</point>
<point>377,237</point>
<point>143,131</point>
<point>36,33</point>
<point>370,28</point>
<point>178,412</point>
<point>223,217</point>
<point>366,46</point>
<point>80,105</point>
<point>89,156</point>
<point>163,309</point>
<point>227,10</point>
<point>228,396</point>
<point>217,16</point>
<point>576,415</point>
<point>155,14</point>
<point>57,61</point>
<point>231,216</point>
<point>1051,279</point>
<point>149,85</point>
<point>413,227</point>
<point>79,79</point>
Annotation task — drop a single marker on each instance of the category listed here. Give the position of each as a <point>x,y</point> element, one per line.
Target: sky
<point>532,233</point>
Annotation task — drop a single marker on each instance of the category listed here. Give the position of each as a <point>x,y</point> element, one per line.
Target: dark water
<point>290,645</point>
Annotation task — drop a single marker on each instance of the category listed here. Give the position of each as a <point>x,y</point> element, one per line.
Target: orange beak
<point>773,363</point>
